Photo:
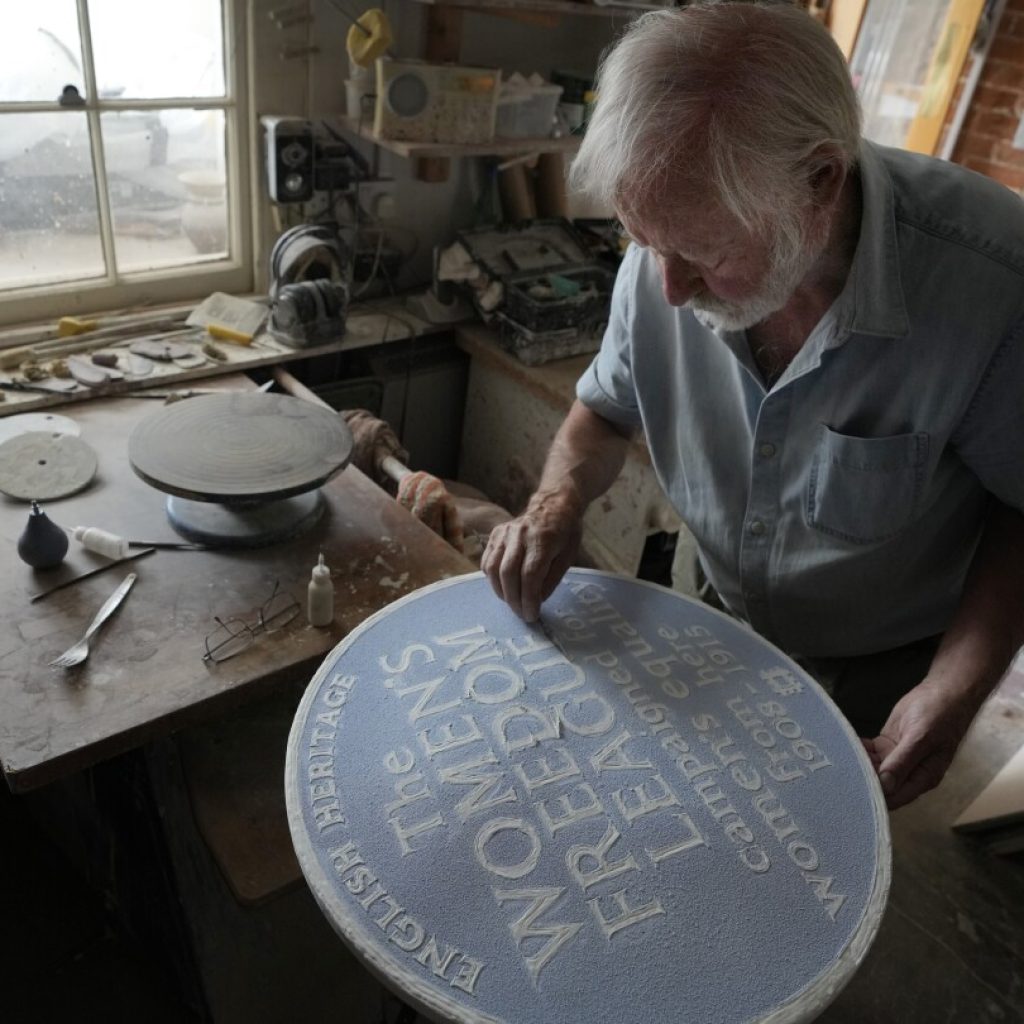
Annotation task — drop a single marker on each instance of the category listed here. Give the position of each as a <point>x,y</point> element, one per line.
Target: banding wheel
<point>241,470</point>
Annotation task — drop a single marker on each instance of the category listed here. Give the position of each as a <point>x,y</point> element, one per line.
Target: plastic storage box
<point>527,113</point>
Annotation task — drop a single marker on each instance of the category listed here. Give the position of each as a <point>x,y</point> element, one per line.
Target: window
<point>121,176</point>
<point>908,58</point>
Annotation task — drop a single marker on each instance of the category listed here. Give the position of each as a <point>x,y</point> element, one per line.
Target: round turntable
<point>241,469</point>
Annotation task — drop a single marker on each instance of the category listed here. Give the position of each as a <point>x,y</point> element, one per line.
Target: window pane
<point>168,193</point>
<point>146,50</point>
<point>40,51</point>
<point>890,64</point>
<point>49,225</point>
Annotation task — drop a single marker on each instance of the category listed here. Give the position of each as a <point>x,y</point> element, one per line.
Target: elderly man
<point>823,343</point>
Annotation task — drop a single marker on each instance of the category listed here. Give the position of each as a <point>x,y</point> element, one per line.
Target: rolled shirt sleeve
<point>606,386</point>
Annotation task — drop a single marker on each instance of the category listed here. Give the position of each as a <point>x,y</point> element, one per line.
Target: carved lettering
<point>832,902</point>
<point>467,974</point>
<point>405,659</point>
<point>691,838</point>
<point>527,927</point>
<point>603,868</point>
<point>422,708</point>
<point>641,801</point>
<point>591,722</point>
<point>571,814</point>
<point>437,964</point>
<point>404,833</point>
<point>407,934</point>
<point>337,690</point>
<point>487,785</point>
<point>444,737</point>
<point>475,643</point>
<point>532,726</point>
<point>627,916</point>
<point>539,771</point>
<point>495,827</point>
<point>612,756</point>
<point>510,684</point>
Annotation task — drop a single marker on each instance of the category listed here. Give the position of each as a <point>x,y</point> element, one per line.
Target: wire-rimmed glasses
<point>234,635</point>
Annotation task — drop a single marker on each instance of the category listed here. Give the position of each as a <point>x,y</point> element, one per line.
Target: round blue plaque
<point>633,810</point>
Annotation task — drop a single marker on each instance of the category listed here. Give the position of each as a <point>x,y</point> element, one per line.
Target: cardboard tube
<point>552,200</point>
<point>517,202</point>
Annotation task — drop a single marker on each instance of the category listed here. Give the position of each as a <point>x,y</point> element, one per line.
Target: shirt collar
<point>874,303</point>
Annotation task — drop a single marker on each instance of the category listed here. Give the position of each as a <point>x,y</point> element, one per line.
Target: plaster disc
<point>240,447</point>
<point>635,809</point>
<point>43,466</point>
<point>42,422</point>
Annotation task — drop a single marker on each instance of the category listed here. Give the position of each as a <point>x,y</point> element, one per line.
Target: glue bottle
<point>320,596</point>
<point>103,543</point>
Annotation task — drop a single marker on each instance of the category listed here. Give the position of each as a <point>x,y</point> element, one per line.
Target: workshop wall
<point>313,85</point>
<point>301,70</point>
<point>986,142</point>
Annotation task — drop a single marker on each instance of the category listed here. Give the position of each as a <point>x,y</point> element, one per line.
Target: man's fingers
<point>511,569</point>
<point>911,767</point>
<point>534,576</point>
<point>556,571</point>
<point>491,559</point>
<point>525,559</point>
<point>923,777</point>
<point>873,755</point>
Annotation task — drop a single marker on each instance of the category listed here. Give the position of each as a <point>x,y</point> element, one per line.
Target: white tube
<point>100,541</point>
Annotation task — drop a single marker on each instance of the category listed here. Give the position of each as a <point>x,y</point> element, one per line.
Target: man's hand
<point>525,558</point>
<point>918,742</point>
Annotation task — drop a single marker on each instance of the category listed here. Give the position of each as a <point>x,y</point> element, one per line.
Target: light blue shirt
<point>838,512</point>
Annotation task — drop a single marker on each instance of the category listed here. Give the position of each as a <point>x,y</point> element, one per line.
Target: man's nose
<point>680,280</point>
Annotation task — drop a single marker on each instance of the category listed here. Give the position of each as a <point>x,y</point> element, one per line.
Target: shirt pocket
<point>865,489</point>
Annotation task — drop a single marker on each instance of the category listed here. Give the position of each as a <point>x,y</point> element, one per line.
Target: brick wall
<point>986,138</point>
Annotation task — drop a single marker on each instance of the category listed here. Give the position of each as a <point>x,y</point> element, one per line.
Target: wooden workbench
<point>146,676</point>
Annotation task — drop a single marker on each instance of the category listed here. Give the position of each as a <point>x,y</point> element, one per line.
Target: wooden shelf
<point>444,150</point>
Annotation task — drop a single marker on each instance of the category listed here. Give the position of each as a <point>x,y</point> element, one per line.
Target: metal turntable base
<point>243,469</point>
<point>244,525</point>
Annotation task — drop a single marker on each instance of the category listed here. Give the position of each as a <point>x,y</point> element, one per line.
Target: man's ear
<point>827,177</point>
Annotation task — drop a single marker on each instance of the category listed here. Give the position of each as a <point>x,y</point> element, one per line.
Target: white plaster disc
<point>634,810</point>
<point>40,422</point>
<point>42,467</point>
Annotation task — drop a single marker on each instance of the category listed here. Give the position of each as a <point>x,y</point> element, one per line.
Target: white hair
<point>748,100</point>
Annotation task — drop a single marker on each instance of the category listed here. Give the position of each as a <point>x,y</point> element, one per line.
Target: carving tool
<point>90,572</point>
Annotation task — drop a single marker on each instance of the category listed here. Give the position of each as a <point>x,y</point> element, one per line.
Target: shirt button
<point>767,450</point>
<point>757,528</point>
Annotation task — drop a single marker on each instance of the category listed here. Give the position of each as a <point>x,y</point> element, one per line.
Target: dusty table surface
<point>145,676</point>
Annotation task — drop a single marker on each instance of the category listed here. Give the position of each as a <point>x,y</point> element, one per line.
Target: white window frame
<point>168,284</point>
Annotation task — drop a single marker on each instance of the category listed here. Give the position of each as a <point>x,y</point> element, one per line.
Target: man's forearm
<point>988,627</point>
<point>585,458</point>
<point>920,738</point>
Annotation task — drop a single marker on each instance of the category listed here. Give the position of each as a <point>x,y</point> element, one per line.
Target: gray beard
<point>788,270</point>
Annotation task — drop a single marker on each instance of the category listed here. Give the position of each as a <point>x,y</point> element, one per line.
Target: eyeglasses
<point>235,635</point>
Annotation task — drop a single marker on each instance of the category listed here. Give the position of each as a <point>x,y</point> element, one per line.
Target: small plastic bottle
<point>100,541</point>
<point>320,596</point>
